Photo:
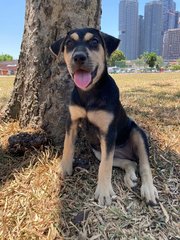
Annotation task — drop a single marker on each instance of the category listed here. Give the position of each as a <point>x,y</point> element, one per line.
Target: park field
<point>6,85</point>
<point>36,203</point>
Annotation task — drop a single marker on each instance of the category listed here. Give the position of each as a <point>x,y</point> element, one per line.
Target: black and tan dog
<point>116,139</point>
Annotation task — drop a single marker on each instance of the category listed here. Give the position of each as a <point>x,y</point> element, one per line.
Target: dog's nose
<point>79,58</point>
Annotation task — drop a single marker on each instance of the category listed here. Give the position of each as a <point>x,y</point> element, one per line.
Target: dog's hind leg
<point>140,148</point>
<point>128,166</point>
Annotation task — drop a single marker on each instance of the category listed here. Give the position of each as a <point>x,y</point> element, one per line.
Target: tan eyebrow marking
<point>74,36</point>
<point>88,36</point>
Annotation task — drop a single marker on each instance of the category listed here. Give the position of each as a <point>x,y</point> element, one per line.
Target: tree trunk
<point>42,85</point>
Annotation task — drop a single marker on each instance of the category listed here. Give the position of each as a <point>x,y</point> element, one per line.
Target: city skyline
<point>141,34</point>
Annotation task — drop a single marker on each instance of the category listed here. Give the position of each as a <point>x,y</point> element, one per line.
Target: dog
<point>116,139</point>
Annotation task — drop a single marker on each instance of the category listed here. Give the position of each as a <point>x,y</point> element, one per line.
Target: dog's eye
<point>94,42</point>
<point>69,43</point>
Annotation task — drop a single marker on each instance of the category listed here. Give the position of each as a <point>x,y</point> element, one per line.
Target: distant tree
<point>116,56</point>
<point>5,57</point>
<point>159,62</point>
<point>120,64</point>
<point>149,58</point>
<point>175,67</point>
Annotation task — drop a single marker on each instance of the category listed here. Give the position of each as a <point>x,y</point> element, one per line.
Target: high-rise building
<point>171,44</point>
<point>153,29</point>
<point>177,19</point>
<point>128,28</point>
<point>169,9</point>
<point>140,35</point>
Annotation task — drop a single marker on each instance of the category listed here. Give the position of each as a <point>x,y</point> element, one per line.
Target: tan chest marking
<point>77,112</point>
<point>101,119</point>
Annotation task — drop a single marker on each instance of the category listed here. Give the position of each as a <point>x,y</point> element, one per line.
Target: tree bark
<point>42,85</point>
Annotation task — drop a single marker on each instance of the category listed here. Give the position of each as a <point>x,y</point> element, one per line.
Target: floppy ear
<point>111,43</point>
<point>58,46</point>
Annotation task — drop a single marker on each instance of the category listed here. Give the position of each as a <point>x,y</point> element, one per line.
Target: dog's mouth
<point>83,79</point>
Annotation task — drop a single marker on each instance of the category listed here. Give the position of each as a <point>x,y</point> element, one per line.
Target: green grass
<point>29,190</point>
<point>6,85</point>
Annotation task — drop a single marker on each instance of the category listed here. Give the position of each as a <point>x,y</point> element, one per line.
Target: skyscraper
<point>169,10</point>
<point>171,44</point>
<point>140,35</point>
<point>128,28</point>
<point>177,19</point>
<point>153,29</point>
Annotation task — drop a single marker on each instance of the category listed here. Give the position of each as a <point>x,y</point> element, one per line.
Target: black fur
<point>103,96</point>
<point>108,42</point>
<point>96,95</point>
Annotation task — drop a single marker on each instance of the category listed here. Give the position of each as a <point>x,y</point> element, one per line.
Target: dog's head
<point>85,52</point>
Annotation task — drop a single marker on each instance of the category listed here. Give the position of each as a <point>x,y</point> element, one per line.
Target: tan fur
<point>148,190</point>
<point>125,164</point>
<point>104,189</point>
<point>97,58</point>
<point>101,119</point>
<point>67,59</point>
<point>77,112</point>
<point>69,143</point>
<point>68,152</point>
<point>74,36</point>
<point>138,143</point>
<point>88,36</point>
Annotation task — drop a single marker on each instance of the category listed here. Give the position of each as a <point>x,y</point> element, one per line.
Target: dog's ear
<point>110,42</point>
<point>57,46</point>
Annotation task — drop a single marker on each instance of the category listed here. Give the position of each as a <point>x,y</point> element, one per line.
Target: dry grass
<point>29,201</point>
<point>29,192</point>
<point>154,101</point>
<point>6,84</point>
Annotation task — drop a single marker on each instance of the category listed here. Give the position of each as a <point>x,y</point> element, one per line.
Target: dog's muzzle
<point>79,58</point>
<point>83,75</point>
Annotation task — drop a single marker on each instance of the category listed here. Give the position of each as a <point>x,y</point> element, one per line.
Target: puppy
<point>116,140</point>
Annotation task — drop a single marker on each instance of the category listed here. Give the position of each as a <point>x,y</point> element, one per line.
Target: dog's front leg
<point>69,144</point>
<point>104,190</point>
<point>107,132</point>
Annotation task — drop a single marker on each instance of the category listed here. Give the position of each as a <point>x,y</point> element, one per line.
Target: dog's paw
<point>150,193</point>
<point>66,168</point>
<point>130,178</point>
<point>104,195</point>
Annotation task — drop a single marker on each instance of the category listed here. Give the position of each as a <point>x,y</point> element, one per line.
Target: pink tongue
<point>82,79</point>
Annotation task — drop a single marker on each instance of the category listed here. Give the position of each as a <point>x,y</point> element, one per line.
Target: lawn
<point>6,84</point>
<point>36,204</point>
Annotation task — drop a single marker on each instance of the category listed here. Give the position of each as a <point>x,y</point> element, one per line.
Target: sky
<point>12,22</point>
